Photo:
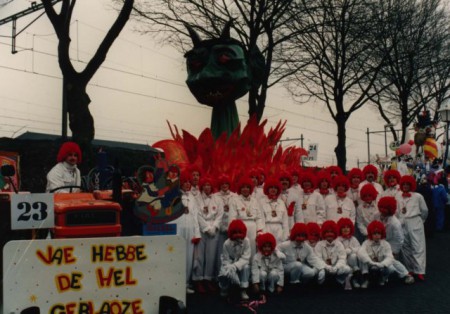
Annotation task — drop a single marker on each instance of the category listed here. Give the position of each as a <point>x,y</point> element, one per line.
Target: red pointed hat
<point>387,205</point>
<point>286,175</point>
<point>307,176</point>
<point>223,179</point>
<point>66,149</point>
<point>376,226</point>
<point>323,176</point>
<point>206,180</point>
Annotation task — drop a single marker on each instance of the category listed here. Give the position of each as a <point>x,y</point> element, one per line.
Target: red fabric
<point>195,241</point>
<point>410,180</point>
<point>391,173</point>
<point>341,181</point>
<point>368,193</point>
<point>272,182</point>
<point>290,209</point>
<point>370,169</point>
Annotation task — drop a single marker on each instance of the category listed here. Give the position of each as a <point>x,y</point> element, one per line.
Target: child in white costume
<point>412,211</point>
<point>375,255</point>
<point>187,226</point>
<point>310,206</point>
<point>366,210</point>
<point>235,268</point>
<point>324,184</point>
<point>267,266</point>
<point>332,253</point>
<point>391,179</point>
<point>245,207</point>
<point>355,177</point>
<point>301,263</point>
<point>346,230</point>
<point>209,219</point>
<point>313,233</point>
<point>224,199</point>
<point>339,205</point>
<point>387,206</point>
<point>288,196</point>
<point>274,211</point>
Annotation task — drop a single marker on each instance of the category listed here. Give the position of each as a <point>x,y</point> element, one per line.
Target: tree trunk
<point>340,149</point>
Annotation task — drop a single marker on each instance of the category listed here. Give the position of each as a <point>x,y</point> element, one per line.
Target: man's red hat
<point>307,176</point>
<point>272,182</point>
<point>370,169</point>
<point>355,172</point>
<point>341,180</point>
<point>313,230</point>
<point>243,182</point>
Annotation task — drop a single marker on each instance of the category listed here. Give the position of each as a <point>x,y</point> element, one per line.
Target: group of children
<point>301,226</point>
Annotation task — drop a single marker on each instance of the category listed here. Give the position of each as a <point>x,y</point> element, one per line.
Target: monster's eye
<point>224,58</point>
<point>195,65</point>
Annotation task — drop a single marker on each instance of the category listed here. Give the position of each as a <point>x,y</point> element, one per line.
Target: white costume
<point>235,267</point>
<point>335,257</point>
<point>352,247</point>
<point>390,191</point>
<point>353,194</point>
<point>301,263</point>
<point>63,174</point>
<point>310,208</point>
<point>337,208</point>
<point>376,256</point>
<point>223,200</point>
<point>365,213</point>
<point>268,271</point>
<point>395,237</point>
<point>188,228</point>
<point>247,210</point>
<point>412,212</point>
<point>209,219</point>
<point>276,219</point>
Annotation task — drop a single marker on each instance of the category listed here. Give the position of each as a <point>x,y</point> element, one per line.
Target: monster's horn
<point>226,30</point>
<point>194,36</point>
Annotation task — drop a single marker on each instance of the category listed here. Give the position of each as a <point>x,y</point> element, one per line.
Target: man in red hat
<point>65,172</point>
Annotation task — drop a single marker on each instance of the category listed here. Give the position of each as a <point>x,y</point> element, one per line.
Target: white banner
<point>312,152</point>
<point>32,211</point>
<point>96,275</point>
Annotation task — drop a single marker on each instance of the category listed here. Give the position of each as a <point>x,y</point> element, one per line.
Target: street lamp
<point>444,113</point>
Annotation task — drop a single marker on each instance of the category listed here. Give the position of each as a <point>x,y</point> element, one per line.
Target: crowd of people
<point>302,227</point>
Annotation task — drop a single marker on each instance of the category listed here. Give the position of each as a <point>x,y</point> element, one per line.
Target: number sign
<point>32,211</point>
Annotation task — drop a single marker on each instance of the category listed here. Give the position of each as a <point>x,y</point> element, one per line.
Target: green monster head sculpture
<point>219,72</point>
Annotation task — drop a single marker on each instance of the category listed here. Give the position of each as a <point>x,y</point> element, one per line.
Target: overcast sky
<point>139,87</point>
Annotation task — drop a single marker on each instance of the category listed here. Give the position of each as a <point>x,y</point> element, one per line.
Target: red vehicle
<point>80,215</point>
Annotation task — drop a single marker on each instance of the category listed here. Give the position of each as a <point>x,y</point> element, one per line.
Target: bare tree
<point>414,43</point>
<point>337,58</point>
<point>81,121</point>
<point>256,23</point>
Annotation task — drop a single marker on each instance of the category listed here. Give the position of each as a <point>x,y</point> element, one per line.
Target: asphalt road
<point>431,296</point>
